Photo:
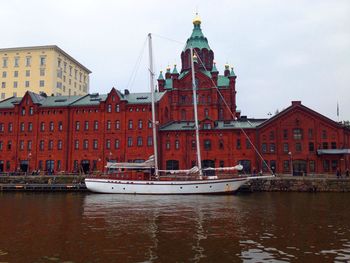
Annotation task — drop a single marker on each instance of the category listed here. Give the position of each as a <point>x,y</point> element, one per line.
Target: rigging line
<point>169,39</point>
<point>136,66</point>
<point>234,117</point>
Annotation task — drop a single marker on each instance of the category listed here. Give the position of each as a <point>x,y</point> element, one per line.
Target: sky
<point>280,50</point>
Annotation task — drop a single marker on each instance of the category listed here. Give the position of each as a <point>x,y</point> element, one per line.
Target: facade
<point>41,69</point>
<point>80,133</point>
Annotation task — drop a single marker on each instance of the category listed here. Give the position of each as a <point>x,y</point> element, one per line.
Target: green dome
<point>197,39</point>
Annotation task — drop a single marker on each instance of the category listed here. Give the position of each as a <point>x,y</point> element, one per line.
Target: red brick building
<point>71,133</point>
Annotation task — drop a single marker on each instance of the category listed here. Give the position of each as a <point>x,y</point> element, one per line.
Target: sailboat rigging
<point>191,181</point>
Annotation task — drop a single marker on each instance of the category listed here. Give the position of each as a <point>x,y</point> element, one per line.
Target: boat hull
<point>216,186</point>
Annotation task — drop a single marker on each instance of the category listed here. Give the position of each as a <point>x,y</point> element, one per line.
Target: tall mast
<point>151,77</point>
<point>194,90</point>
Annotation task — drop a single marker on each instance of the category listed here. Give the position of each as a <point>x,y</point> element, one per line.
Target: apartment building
<point>41,69</point>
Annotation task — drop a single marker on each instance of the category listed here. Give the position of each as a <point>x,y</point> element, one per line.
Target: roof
<point>143,98</point>
<point>197,39</point>
<point>54,47</point>
<point>9,103</point>
<point>219,125</point>
<point>223,81</point>
<point>169,83</point>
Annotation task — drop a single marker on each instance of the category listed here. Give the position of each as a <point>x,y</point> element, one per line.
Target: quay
<point>42,183</point>
<point>280,183</point>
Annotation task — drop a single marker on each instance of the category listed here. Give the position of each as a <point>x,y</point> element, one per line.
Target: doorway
<point>299,167</point>
<point>85,165</point>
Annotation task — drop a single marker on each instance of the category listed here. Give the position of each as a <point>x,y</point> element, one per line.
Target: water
<point>258,227</point>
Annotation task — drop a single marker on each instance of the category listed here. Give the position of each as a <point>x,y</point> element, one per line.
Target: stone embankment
<point>299,184</point>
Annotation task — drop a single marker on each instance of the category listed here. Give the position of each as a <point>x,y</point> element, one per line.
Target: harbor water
<point>256,227</point>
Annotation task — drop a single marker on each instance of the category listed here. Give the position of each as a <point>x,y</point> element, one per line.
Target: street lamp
<point>291,162</point>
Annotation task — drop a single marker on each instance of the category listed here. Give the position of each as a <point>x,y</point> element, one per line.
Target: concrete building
<point>40,69</point>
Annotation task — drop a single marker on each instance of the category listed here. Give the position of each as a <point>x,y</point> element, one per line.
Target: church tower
<point>200,44</point>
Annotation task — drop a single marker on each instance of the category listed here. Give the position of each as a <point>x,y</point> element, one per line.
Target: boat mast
<point>154,127</point>
<point>194,90</point>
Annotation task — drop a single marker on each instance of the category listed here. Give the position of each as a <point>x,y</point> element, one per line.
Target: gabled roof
<point>298,105</point>
<point>9,103</point>
<point>143,98</point>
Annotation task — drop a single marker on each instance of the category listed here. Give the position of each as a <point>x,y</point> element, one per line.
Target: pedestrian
<point>338,173</point>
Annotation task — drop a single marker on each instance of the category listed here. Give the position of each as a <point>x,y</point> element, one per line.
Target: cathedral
<point>65,134</point>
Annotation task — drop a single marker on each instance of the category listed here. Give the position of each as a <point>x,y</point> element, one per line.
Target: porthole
<point>181,187</point>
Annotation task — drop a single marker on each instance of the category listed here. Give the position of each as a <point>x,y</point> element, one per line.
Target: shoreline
<point>280,183</point>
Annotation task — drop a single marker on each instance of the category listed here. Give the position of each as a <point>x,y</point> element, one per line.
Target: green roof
<point>223,81</point>
<point>143,98</point>
<point>169,83</point>
<point>221,125</point>
<point>9,103</point>
<point>197,39</point>
<point>59,101</point>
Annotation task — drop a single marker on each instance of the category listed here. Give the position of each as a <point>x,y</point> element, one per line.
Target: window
<point>183,115</point>
<point>15,74</point>
<point>50,144</point>
<point>29,145</point>
<point>221,144</point>
<point>22,127</point>
<point>297,134</point>
<point>285,134</point>
<point>41,83</point>
<point>23,111</point>
<point>42,61</point>
<point>42,126</point>
<point>59,145</point>
<point>95,144</point>
<point>206,126</point>
<point>149,141</point>
<point>298,147</point>
<point>207,145</point>
<point>177,144</point>
<point>149,124</point>
<point>3,85</point>
<point>130,124</point>
<point>15,84</point>
<point>4,74</point>
<point>272,147</point>
<point>129,141</point>
<point>4,62</point>
<point>311,133</point>
<point>16,64</point>
<point>31,111</point>
<point>10,127</point>
<point>9,145</point>
<point>140,124</point>
<point>117,108</point>
<point>51,126</point>
<point>76,144</point>
<point>247,144</point>
<point>95,125</point>
<point>77,125</point>
<point>8,165</point>
<point>2,127</point>
<point>117,125</point>
<point>264,148</point>
<point>272,135</point>
<point>60,126</point>
<point>109,108</point>
<point>325,145</point>
<point>2,96</point>
<point>86,144</point>
<point>206,113</point>
<point>41,145</point>
<point>326,165</point>
<point>311,147</point>
<point>21,145</point>
<point>221,114</point>
<point>167,145</point>
<point>139,141</point>
<point>30,126</point>
<point>334,164</point>
<point>42,72</point>
<point>333,145</point>
<point>28,61</point>
<point>86,126</point>
<point>238,143</point>
<point>1,145</point>
<point>116,144</point>
<point>58,165</point>
<point>324,134</point>
<point>108,125</point>
<point>193,144</point>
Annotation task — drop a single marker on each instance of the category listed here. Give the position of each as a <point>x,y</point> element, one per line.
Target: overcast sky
<point>280,50</point>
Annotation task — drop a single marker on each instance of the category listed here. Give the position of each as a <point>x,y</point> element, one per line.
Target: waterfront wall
<point>298,184</point>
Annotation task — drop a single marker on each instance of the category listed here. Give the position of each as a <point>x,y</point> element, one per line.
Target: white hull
<point>215,186</point>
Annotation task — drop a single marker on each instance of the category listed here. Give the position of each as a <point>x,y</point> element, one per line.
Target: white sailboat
<point>191,181</point>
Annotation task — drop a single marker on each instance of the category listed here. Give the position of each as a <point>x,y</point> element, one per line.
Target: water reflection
<point>259,227</point>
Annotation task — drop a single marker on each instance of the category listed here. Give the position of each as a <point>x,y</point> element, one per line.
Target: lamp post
<point>291,162</point>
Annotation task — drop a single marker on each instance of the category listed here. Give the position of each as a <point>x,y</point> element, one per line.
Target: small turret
<point>227,70</point>
<point>175,74</point>
<point>161,81</point>
<point>168,73</point>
